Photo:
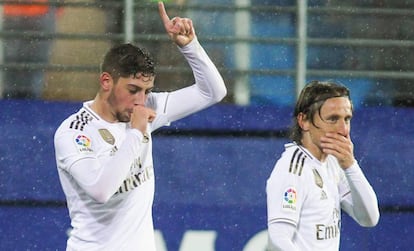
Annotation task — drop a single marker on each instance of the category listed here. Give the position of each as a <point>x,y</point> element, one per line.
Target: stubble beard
<point>121,116</point>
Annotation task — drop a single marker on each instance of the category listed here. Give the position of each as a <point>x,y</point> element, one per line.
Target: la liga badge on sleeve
<point>83,143</point>
<point>289,199</point>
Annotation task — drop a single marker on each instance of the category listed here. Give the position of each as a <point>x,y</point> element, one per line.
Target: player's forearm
<point>207,77</point>
<point>102,180</point>
<point>364,199</point>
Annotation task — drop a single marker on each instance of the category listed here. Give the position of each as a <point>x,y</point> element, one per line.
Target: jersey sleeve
<point>72,146</point>
<point>209,88</point>
<point>280,237</point>
<point>76,153</point>
<point>286,189</point>
<point>358,197</point>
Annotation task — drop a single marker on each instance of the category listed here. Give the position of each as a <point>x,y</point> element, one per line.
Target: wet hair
<point>126,60</point>
<point>311,100</point>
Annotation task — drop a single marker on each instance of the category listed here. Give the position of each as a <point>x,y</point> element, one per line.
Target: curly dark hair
<point>310,101</point>
<point>127,60</point>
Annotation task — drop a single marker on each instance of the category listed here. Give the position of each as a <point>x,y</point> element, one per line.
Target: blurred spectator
<point>26,83</point>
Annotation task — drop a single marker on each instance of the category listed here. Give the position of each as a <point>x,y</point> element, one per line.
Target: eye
<point>348,119</point>
<point>332,119</point>
<point>133,91</point>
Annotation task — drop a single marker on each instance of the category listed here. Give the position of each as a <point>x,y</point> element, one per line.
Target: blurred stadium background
<point>211,167</point>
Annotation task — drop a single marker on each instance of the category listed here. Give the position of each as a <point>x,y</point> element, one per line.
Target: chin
<point>124,118</point>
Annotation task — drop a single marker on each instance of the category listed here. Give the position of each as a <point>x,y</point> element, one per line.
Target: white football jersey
<point>125,221</point>
<point>94,155</point>
<point>306,193</point>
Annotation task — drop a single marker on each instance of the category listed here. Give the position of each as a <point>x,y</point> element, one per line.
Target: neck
<point>101,107</point>
<point>314,149</point>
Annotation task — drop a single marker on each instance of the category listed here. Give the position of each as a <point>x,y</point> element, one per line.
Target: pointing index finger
<point>163,13</point>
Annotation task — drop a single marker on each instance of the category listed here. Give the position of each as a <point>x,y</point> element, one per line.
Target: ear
<point>106,81</point>
<point>303,121</point>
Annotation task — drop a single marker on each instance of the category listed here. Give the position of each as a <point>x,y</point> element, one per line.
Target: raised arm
<point>209,87</point>
<point>361,204</point>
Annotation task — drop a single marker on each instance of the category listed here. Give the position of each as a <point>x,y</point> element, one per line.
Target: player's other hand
<point>141,116</point>
<point>180,30</point>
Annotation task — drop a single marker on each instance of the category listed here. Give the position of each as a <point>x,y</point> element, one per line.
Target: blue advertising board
<point>210,187</point>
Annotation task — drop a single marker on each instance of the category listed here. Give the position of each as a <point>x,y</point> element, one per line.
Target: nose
<point>343,127</point>
<point>140,98</point>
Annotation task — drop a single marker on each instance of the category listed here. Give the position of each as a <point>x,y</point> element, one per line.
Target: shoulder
<point>78,125</point>
<point>291,172</point>
<point>78,121</point>
<point>77,134</point>
<point>293,160</point>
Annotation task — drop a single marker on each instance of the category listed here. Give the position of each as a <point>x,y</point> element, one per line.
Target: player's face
<point>127,93</point>
<point>334,117</point>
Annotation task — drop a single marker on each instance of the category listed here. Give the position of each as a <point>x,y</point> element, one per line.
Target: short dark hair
<point>127,60</point>
<point>310,101</point>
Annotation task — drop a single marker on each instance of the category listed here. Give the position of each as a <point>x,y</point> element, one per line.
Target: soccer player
<point>317,175</point>
<point>104,151</point>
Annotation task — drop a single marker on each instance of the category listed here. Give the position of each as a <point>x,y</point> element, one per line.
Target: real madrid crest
<point>107,136</point>
<point>318,178</point>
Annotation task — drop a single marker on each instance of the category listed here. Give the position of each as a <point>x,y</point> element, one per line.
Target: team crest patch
<point>83,143</point>
<point>289,199</point>
<point>107,136</point>
<point>318,178</point>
